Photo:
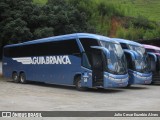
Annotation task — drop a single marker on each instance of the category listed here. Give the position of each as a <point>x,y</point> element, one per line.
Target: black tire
<point>15,77</point>
<point>129,85</point>
<point>78,84</point>
<point>22,78</point>
<point>152,83</point>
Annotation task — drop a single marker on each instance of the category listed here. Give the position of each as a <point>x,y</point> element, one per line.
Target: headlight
<point>90,74</point>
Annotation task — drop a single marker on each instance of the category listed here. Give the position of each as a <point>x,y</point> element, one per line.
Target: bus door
<point>97,67</point>
<point>152,59</point>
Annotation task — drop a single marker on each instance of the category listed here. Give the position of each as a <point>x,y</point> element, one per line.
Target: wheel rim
<point>22,78</point>
<point>79,84</point>
<point>15,77</point>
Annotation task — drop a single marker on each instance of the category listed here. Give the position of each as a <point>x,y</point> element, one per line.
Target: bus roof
<point>127,42</point>
<point>65,37</point>
<point>151,47</point>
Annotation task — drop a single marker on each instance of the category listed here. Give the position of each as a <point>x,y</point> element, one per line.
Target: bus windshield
<point>158,51</point>
<point>117,61</point>
<point>142,64</point>
<point>139,50</point>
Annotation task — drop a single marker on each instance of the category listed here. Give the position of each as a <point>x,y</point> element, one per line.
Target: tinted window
<point>124,46</point>
<point>66,47</point>
<point>85,62</point>
<point>150,50</point>
<point>87,43</point>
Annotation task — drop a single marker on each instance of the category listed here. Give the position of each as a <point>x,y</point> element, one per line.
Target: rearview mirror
<point>132,54</point>
<point>105,50</point>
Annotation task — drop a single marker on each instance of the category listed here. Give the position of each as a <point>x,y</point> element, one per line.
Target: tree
<point>16,31</point>
<point>43,32</point>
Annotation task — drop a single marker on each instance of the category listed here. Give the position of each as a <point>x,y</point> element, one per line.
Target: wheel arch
<point>20,72</point>
<point>14,71</point>
<point>75,77</point>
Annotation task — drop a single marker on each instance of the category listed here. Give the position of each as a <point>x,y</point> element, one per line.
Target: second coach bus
<point>80,59</point>
<point>139,69</point>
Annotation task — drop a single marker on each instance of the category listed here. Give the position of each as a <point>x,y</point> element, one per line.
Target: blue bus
<point>155,65</point>
<point>80,59</point>
<point>138,62</point>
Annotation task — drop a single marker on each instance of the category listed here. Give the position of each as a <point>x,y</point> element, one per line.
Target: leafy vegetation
<point>132,8</point>
<point>135,8</point>
<point>145,13</point>
<point>42,2</point>
<point>23,20</point>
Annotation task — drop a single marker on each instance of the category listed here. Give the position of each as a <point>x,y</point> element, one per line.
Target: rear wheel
<point>78,84</point>
<point>15,77</point>
<point>22,78</point>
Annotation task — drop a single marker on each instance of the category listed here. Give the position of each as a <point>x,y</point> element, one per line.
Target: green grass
<point>147,8</point>
<point>43,2</point>
<point>150,9</point>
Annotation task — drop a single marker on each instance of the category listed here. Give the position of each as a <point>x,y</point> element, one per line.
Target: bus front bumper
<point>112,81</point>
<point>140,78</point>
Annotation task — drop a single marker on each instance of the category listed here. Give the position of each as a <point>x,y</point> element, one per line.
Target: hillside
<point>148,8</point>
<point>129,19</point>
<point>23,20</point>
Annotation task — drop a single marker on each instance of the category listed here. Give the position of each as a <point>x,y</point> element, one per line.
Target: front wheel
<point>22,78</point>
<point>129,85</point>
<point>78,84</point>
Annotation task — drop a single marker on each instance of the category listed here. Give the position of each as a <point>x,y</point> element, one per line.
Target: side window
<point>65,47</point>
<point>12,51</point>
<point>87,43</point>
<point>24,51</point>
<point>20,51</point>
<point>6,52</point>
<point>85,62</point>
<point>150,50</point>
<point>124,46</point>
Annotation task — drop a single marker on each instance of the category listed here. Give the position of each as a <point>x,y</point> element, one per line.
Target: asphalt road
<point>44,97</point>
